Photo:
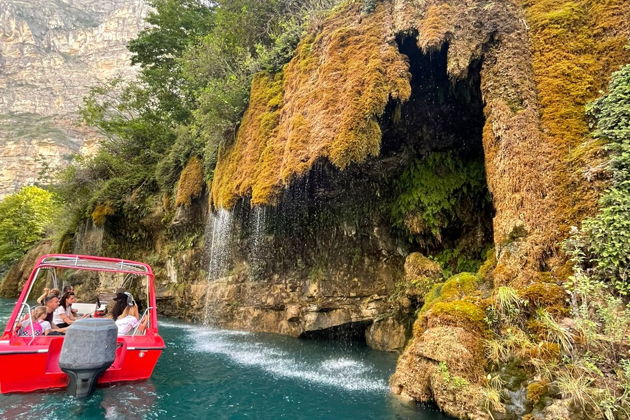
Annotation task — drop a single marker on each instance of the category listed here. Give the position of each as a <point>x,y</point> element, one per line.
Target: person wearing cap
<point>126,315</point>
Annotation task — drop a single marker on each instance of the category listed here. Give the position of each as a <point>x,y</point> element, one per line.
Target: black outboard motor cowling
<point>89,348</point>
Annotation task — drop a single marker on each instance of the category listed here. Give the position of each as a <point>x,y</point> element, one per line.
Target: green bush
<point>24,218</point>
<point>368,6</point>
<point>434,187</point>
<point>603,243</point>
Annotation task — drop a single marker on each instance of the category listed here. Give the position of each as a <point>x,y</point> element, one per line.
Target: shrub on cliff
<point>24,217</point>
<point>603,243</point>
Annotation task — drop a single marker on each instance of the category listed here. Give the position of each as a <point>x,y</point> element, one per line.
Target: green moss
<point>488,265</point>
<point>459,313</point>
<point>457,382</point>
<point>542,295</point>
<point>433,187</point>
<point>459,259</point>
<point>432,297</point>
<point>459,286</point>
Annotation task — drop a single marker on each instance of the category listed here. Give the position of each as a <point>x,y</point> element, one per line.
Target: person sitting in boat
<point>36,325</point>
<point>67,289</point>
<point>63,316</point>
<point>52,303</point>
<point>126,315</point>
<point>42,299</point>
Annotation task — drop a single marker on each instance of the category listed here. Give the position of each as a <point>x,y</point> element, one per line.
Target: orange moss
<point>324,104</point>
<point>576,45</point>
<point>190,182</point>
<point>543,350</point>
<point>544,295</point>
<point>535,391</point>
<point>434,27</point>
<point>100,213</point>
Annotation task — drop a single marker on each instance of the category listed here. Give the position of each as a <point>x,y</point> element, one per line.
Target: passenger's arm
<point>65,318</point>
<point>40,299</point>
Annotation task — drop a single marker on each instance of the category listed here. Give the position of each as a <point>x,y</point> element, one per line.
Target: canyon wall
<point>51,53</point>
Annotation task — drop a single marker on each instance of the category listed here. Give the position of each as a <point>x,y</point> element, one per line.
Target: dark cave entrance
<point>441,201</point>
<point>426,190</point>
<point>351,332</point>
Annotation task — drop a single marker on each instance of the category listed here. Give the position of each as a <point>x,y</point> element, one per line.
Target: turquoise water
<point>217,374</point>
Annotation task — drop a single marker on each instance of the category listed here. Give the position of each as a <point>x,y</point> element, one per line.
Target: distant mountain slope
<point>50,54</point>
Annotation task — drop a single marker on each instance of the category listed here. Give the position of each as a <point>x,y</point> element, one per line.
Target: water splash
<point>347,373</point>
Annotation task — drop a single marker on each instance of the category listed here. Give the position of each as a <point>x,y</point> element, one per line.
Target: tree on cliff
<point>24,217</point>
<point>197,59</point>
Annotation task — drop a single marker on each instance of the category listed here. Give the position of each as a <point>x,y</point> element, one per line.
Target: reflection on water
<point>128,401</point>
<point>219,374</point>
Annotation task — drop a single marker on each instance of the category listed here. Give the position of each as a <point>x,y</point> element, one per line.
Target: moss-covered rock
<point>458,313</point>
<point>543,295</point>
<point>536,390</point>
<point>445,365</point>
<point>459,285</point>
<point>101,212</point>
<point>191,183</point>
<point>421,274</point>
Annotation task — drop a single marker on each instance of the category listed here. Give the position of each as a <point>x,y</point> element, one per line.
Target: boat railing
<point>30,319</point>
<point>145,313</point>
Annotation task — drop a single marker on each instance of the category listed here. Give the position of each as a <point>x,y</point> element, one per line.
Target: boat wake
<point>243,348</point>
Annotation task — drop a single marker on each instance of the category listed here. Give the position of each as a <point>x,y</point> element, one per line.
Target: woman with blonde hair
<point>37,324</point>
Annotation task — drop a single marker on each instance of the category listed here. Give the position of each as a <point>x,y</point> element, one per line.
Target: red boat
<point>31,362</point>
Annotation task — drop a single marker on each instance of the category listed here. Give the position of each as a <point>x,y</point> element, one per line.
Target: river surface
<point>208,373</point>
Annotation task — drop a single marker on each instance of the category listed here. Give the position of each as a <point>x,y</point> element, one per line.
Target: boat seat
<point>84,308</point>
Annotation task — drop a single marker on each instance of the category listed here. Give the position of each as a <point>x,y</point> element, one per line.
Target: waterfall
<point>89,239</point>
<point>257,222</point>
<point>218,234</point>
<point>218,237</point>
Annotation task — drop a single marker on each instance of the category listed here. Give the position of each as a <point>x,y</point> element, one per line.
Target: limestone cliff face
<point>315,222</point>
<point>50,54</point>
<point>357,94</point>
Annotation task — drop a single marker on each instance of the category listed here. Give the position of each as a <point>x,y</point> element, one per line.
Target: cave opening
<point>441,202</point>
<point>427,187</point>
<point>351,332</point>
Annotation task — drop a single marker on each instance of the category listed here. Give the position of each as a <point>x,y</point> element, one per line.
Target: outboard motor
<point>89,348</point>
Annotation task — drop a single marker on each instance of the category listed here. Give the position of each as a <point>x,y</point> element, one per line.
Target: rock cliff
<point>407,179</point>
<point>51,53</point>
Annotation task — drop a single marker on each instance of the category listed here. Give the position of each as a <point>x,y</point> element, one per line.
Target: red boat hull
<point>32,363</point>
<point>26,368</point>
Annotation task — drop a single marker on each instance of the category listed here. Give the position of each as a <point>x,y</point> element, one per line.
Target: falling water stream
<point>218,234</point>
<point>208,373</point>
<point>258,219</point>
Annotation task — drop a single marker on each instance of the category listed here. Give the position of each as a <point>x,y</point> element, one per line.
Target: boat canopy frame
<point>89,263</point>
